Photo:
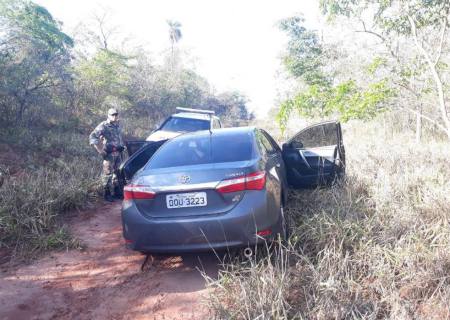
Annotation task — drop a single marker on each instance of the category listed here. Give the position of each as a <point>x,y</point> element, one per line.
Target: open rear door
<point>135,145</point>
<point>315,155</point>
<point>139,153</point>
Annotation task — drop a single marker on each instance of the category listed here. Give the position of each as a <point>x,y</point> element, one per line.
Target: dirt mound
<point>105,281</point>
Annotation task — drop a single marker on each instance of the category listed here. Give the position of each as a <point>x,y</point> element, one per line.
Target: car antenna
<point>210,135</point>
<point>210,123</point>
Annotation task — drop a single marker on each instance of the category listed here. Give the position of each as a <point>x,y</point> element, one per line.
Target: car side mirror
<point>286,146</point>
<point>296,144</point>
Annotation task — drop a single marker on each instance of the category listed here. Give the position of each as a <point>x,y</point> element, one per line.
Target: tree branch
<point>370,31</point>
<point>379,36</point>
<point>436,77</point>
<point>437,124</point>
<point>442,40</point>
<point>38,85</point>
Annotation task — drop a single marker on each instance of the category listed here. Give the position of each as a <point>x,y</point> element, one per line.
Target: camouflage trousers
<point>111,163</point>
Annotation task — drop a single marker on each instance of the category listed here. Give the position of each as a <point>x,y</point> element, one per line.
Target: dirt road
<point>104,281</point>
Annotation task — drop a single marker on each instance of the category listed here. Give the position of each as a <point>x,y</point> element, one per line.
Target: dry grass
<point>59,175</point>
<point>252,287</point>
<point>375,246</point>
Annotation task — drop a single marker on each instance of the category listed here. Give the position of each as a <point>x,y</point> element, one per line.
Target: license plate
<point>185,200</point>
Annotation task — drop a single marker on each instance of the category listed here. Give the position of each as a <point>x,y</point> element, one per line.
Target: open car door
<point>315,155</point>
<point>135,145</point>
<point>139,153</point>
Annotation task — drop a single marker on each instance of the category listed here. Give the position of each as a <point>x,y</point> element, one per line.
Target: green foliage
<point>391,16</point>
<point>305,53</point>
<point>230,107</point>
<point>421,28</point>
<point>155,91</point>
<point>106,74</point>
<point>376,64</point>
<point>305,60</point>
<point>33,22</point>
<point>34,59</point>
<point>346,100</point>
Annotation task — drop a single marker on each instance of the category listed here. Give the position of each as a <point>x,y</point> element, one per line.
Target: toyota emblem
<point>185,179</point>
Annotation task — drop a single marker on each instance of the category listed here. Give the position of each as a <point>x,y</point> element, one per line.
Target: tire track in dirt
<point>104,281</point>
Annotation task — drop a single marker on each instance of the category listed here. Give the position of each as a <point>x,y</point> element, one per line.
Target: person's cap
<point>112,111</point>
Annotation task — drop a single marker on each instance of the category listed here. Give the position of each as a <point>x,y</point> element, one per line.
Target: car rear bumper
<point>236,228</point>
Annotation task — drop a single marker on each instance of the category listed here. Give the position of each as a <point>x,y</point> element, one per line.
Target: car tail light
<point>264,233</point>
<point>255,180</point>
<point>134,191</point>
<point>252,181</point>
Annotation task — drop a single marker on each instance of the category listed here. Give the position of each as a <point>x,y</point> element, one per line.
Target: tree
<point>421,25</point>
<point>321,95</point>
<point>34,58</point>
<point>305,55</point>
<point>231,107</point>
<point>105,75</point>
<point>104,30</point>
<point>174,35</point>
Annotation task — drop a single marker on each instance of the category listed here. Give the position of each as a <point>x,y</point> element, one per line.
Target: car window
<point>318,136</point>
<point>185,124</point>
<point>194,150</point>
<point>269,146</point>
<point>259,143</point>
<point>264,144</point>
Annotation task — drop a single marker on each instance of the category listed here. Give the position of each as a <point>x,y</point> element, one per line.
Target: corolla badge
<point>184,179</point>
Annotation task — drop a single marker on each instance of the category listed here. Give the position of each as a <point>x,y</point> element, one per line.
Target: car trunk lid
<point>198,183</point>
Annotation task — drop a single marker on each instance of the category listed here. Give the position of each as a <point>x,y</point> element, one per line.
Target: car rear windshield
<point>185,125</point>
<point>193,150</point>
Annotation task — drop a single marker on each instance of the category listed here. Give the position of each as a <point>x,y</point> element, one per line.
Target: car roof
<point>219,132</point>
<point>192,115</point>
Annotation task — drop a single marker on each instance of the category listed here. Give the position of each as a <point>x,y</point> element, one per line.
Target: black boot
<point>107,195</point>
<point>118,192</point>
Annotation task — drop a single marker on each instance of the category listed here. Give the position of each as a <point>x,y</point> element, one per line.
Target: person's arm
<point>99,148</point>
<point>95,138</point>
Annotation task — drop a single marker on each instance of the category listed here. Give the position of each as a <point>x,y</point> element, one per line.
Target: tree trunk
<point>19,115</point>
<point>436,77</point>
<point>419,124</point>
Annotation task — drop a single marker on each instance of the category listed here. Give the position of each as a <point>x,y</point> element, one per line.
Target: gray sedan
<point>221,189</point>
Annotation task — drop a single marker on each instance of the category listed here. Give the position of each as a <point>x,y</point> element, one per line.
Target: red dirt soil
<point>105,281</point>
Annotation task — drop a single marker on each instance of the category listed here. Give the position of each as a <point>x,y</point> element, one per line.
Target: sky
<point>234,44</point>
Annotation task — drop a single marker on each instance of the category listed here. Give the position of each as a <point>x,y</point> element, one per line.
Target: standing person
<point>107,140</point>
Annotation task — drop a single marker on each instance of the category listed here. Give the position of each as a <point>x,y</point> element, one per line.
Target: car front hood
<point>162,135</point>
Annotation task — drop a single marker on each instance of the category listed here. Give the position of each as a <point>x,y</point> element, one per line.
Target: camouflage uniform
<point>110,135</point>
